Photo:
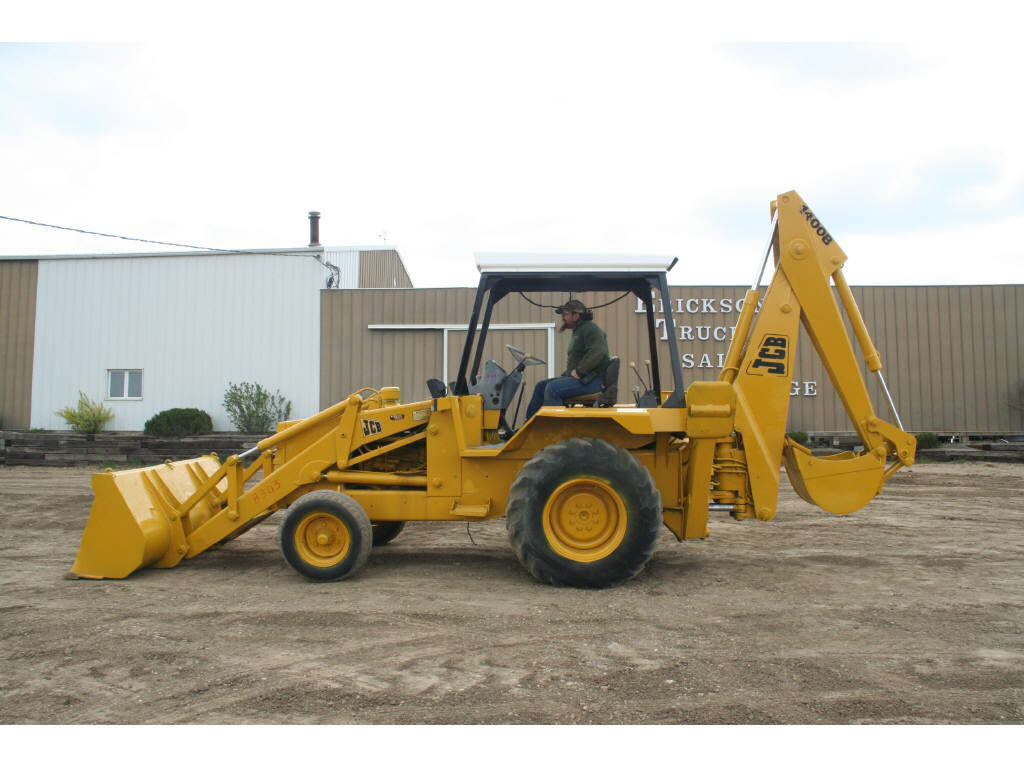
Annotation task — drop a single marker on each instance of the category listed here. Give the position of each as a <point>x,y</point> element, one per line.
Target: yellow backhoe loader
<point>584,489</point>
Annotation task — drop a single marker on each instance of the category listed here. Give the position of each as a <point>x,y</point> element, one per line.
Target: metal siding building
<point>952,354</point>
<point>195,322</point>
<point>190,322</point>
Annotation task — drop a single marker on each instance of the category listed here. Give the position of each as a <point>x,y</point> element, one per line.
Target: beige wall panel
<point>938,353</point>
<point>352,356</point>
<point>382,269</point>
<point>915,312</point>
<point>969,339</point>
<point>981,374</point>
<point>1013,319</point>
<point>17,340</point>
<point>950,357</point>
<point>993,337</point>
<point>917,363</point>
<point>951,354</point>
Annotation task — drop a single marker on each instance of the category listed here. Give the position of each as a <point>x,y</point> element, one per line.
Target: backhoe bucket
<point>839,484</point>
<point>133,523</point>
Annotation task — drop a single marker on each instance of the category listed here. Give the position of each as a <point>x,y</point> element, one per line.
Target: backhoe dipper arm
<point>760,363</point>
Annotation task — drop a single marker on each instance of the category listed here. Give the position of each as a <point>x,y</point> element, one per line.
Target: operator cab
<point>503,274</point>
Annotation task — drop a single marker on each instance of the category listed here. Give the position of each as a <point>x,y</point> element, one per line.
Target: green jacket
<point>588,351</point>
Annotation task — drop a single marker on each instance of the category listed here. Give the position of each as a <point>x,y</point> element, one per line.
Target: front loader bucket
<point>133,525</point>
<point>839,484</point>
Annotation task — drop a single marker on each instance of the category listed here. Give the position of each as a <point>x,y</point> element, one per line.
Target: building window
<point>123,384</point>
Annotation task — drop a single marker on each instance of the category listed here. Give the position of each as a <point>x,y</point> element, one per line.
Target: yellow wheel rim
<point>585,520</point>
<point>321,539</point>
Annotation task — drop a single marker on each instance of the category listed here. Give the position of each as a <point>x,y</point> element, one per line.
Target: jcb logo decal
<point>772,357</point>
<point>371,427</point>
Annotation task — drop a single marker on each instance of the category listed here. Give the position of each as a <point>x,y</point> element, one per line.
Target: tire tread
<point>524,501</point>
<point>363,538</point>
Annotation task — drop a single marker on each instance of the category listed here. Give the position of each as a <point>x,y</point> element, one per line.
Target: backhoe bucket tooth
<point>839,484</point>
<point>134,522</point>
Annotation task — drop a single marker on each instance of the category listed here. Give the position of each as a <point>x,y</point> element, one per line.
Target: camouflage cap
<point>572,305</point>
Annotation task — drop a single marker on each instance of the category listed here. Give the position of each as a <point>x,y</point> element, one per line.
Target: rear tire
<point>326,536</point>
<point>386,531</point>
<point>584,513</point>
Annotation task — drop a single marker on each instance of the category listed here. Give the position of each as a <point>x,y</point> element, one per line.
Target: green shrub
<point>178,422</point>
<point>800,437</point>
<point>253,409</point>
<point>927,440</point>
<point>88,417</point>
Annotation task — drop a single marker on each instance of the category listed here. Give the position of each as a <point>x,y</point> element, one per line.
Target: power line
<point>134,239</point>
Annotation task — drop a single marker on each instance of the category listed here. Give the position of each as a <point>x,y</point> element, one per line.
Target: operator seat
<point>606,397</point>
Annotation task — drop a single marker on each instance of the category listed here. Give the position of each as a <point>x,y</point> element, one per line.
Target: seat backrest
<point>610,393</point>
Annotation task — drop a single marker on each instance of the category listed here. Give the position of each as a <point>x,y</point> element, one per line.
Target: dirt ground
<point>909,611</point>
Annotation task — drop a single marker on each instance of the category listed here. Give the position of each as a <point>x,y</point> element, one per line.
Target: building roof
<point>303,251</point>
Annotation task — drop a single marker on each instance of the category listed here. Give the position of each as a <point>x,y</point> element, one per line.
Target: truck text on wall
<point>721,333</point>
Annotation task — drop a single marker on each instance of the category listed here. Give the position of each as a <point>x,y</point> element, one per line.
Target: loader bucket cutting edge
<point>839,484</point>
<point>128,528</point>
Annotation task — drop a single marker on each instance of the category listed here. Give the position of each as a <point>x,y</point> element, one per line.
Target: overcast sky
<point>448,130</point>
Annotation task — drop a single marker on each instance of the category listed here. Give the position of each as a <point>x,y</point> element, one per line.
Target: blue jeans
<point>555,391</point>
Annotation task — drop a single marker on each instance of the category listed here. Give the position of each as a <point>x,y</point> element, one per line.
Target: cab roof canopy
<point>574,262</point>
<point>508,272</point>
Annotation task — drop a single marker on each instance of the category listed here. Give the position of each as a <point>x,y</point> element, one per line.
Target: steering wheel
<point>524,358</point>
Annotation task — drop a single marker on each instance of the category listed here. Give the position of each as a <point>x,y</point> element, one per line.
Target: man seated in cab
<point>587,361</point>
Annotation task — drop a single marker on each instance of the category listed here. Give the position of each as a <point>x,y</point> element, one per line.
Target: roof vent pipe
<point>314,229</point>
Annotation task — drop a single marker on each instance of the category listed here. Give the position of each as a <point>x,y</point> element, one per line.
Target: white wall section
<point>347,260</point>
<point>191,323</point>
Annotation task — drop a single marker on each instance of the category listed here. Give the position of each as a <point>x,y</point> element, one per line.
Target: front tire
<point>584,513</point>
<point>326,536</point>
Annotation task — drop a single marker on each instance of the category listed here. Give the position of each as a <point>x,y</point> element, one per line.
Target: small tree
<point>89,417</point>
<point>253,409</point>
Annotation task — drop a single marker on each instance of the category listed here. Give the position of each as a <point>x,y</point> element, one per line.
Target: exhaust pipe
<point>314,229</point>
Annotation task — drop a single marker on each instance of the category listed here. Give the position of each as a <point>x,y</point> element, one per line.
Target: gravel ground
<point>909,611</point>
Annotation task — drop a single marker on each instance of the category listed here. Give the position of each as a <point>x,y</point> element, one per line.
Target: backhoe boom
<point>761,361</point>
